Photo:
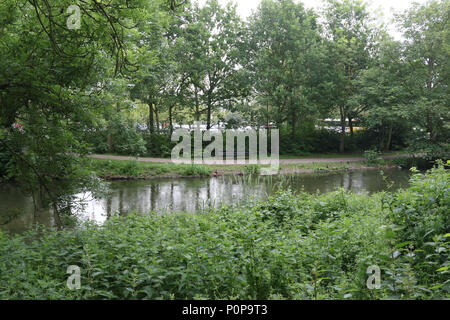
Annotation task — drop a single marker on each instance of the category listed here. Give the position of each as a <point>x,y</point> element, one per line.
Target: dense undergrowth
<point>288,247</point>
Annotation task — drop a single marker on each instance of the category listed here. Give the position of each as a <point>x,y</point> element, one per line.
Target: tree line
<point>290,66</point>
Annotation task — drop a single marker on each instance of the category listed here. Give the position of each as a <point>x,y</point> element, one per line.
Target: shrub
<point>252,169</point>
<point>159,145</point>
<point>373,158</point>
<point>124,138</point>
<point>195,170</point>
<point>307,142</point>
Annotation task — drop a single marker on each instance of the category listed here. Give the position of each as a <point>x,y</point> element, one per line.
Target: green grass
<point>338,155</point>
<point>127,168</point>
<point>135,169</point>
<point>147,170</point>
<point>329,166</point>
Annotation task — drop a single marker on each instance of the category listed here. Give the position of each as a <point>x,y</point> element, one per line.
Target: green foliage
<point>210,59</point>
<point>288,247</point>
<point>6,164</point>
<point>119,137</point>
<point>350,38</point>
<point>63,91</point>
<point>195,170</point>
<point>423,213</point>
<point>306,142</point>
<point>373,158</point>
<point>141,170</point>
<point>284,51</point>
<point>416,162</point>
<point>427,53</point>
<point>159,145</point>
<point>129,169</point>
<point>417,232</point>
<point>252,169</point>
<point>54,83</point>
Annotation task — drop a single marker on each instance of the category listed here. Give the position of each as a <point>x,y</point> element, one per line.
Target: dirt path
<point>319,160</point>
<point>282,161</point>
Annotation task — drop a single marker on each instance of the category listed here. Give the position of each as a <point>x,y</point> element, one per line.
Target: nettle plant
<point>418,234</point>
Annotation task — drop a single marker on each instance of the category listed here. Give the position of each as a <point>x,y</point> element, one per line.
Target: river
<point>191,195</point>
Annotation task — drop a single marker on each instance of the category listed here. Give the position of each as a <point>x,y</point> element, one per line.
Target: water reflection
<point>192,195</point>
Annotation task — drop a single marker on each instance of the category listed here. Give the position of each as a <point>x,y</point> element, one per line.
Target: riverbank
<point>126,168</point>
<point>292,246</point>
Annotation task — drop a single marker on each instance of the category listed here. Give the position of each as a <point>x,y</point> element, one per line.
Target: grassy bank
<point>340,155</point>
<point>288,247</point>
<point>116,169</point>
<point>127,169</point>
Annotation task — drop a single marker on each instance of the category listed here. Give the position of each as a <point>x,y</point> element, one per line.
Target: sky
<point>385,9</point>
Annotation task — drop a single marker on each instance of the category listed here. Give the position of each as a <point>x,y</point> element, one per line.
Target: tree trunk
<point>350,125</point>
<point>208,121</point>
<point>208,117</point>
<point>109,139</point>
<point>343,118</point>
<point>197,111</point>
<point>389,138</point>
<point>57,217</point>
<point>150,118</point>
<point>170,120</point>
<point>157,119</point>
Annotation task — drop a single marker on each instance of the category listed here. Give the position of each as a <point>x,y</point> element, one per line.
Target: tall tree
<point>382,97</point>
<point>283,37</point>
<point>350,37</point>
<point>209,53</point>
<point>427,52</point>
<point>52,75</point>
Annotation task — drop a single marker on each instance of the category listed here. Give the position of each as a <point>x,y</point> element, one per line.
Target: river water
<point>191,195</point>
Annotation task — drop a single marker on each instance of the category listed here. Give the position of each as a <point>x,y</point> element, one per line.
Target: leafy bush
<point>327,141</point>
<point>130,168</point>
<point>123,138</point>
<point>136,169</point>
<point>159,145</point>
<point>373,158</point>
<point>115,168</point>
<point>252,169</point>
<point>420,220</point>
<point>195,170</point>
<point>307,142</point>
